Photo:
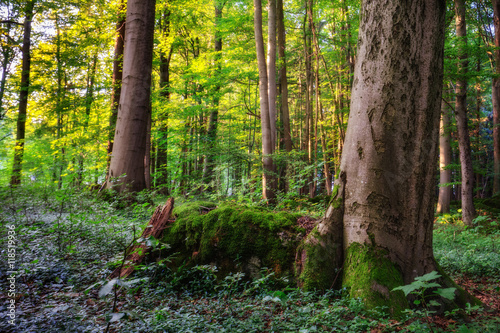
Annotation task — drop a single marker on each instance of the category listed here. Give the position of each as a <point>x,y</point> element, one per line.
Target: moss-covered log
<point>235,238</point>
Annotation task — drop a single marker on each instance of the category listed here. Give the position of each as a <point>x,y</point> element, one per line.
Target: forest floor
<point>67,244</point>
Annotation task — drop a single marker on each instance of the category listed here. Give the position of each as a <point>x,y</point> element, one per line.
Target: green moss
<point>232,234</point>
<point>320,271</point>
<point>370,275</point>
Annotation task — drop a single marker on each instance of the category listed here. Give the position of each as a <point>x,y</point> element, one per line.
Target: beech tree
<point>495,96</point>
<point>468,211</point>
<point>129,149</point>
<point>268,176</point>
<point>23,95</point>
<point>378,228</point>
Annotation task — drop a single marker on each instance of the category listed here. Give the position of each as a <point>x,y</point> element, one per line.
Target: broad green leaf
<point>428,277</point>
<point>448,293</point>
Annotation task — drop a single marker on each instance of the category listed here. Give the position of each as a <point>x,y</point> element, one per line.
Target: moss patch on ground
<point>370,275</point>
<point>235,237</point>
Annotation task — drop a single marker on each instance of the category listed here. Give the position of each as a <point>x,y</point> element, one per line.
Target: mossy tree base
<point>370,275</point>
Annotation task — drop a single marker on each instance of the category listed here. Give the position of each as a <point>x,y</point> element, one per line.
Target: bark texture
<point>129,150</point>
<point>391,145</point>
<point>268,177</point>
<point>384,217</point>
<point>468,211</point>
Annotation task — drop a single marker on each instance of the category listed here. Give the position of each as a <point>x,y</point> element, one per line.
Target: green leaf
<point>434,303</point>
<point>448,293</point>
<point>428,277</point>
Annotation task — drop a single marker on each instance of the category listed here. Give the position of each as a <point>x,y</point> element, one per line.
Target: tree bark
<point>444,198</point>
<point>496,100</point>
<point>382,210</point>
<point>271,69</point>
<point>268,176</point>
<point>283,85</point>
<point>23,96</point>
<point>468,211</point>
<point>127,161</point>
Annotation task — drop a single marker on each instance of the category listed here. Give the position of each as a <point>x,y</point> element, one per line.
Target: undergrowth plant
<point>420,289</point>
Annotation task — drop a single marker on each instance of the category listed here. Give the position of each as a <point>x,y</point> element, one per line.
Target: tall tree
<point>271,69</point>
<point>495,95</point>
<point>468,211</point>
<point>268,176</point>
<point>129,150</point>
<point>208,167</point>
<point>283,89</point>
<point>379,225</point>
<point>23,95</point>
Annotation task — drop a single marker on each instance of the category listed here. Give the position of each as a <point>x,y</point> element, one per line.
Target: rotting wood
<point>159,222</point>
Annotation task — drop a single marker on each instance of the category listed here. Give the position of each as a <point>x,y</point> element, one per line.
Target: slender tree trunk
<point>7,54</point>
<point>468,211</point>
<point>443,205</point>
<point>117,76</point>
<point>23,96</point>
<point>268,176</point>
<point>208,168</point>
<point>271,69</point>
<point>283,86</point>
<point>127,161</point>
<point>286,136</point>
<point>495,92</point>
<point>161,173</point>
<point>382,210</point>
<point>89,99</point>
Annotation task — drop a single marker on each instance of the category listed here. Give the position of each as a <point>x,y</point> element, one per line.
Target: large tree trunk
<point>496,100</point>
<point>468,211</point>
<point>23,96</point>
<point>383,205</point>
<point>127,161</point>
<point>268,176</point>
<point>444,198</point>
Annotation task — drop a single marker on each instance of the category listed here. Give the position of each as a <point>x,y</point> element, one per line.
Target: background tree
<point>127,161</point>
<point>468,211</point>
<point>23,94</point>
